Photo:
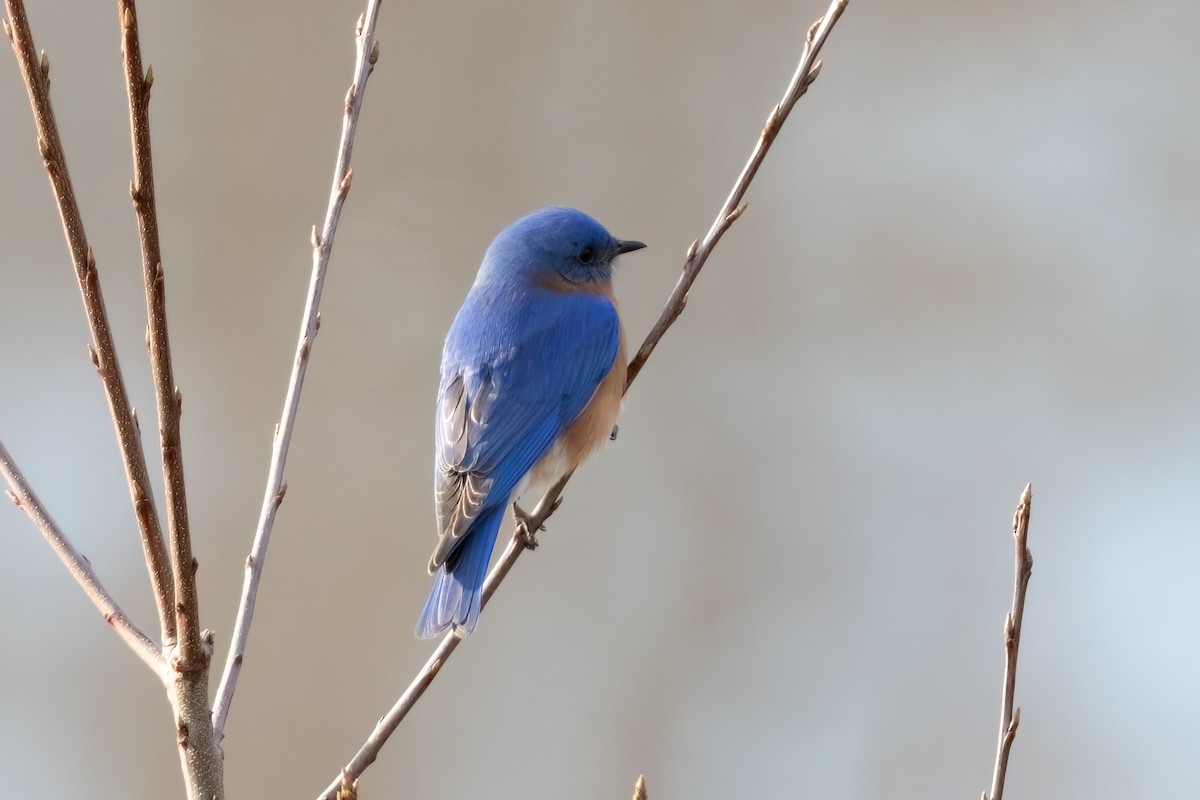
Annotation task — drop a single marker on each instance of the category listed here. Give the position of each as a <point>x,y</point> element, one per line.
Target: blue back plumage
<point>534,338</point>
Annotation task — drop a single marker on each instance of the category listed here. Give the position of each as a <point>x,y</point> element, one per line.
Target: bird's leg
<point>525,524</point>
<point>525,527</point>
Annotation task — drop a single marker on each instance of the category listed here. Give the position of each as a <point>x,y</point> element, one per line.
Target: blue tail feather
<point>457,592</point>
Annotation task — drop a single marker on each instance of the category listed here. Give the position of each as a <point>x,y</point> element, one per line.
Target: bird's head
<point>557,247</point>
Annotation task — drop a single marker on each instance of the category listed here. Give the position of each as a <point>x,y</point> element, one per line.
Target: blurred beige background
<point>970,262</point>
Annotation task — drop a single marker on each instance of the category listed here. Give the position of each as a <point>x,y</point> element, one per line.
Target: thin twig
<point>1022,569</point>
<point>367,52</point>
<point>806,73</point>
<point>189,658</point>
<point>387,725</point>
<point>167,396</point>
<point>36,74</point>
<point>23,496</point>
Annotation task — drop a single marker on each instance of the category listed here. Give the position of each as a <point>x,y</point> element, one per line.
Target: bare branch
<point>806,72</point>
<point>22,495</point>
<point>386,726</point>
<point>698,253</point>
<point>199,757</point>
<point>36,71</point>
<point>1022,570</point>
<point>166,394</point>
<point>367,53</point>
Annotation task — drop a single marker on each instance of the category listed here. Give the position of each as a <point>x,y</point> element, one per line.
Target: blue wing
<point>517,369</point>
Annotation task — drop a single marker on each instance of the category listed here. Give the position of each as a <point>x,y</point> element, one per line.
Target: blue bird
<point>533,372</point>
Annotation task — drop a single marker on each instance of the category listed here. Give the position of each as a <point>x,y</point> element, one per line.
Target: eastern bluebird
<point>533,372</point>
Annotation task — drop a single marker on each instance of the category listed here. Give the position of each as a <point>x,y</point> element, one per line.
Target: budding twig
<point>1022,570</point>
<point>21,495</point>
<point>34,71</point>
<point>166,394</point>
<point>367,53</point>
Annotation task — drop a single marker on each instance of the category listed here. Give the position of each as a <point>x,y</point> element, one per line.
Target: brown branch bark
<point>23,496</point>
<point>1022,570</point>
<point>190,654</point>
<point>36,74</point>
<point>200,760</point>
<point>806,72</point>
<point>367,52</point>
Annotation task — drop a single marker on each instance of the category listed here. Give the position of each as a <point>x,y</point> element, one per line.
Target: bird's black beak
<point>628,246</point>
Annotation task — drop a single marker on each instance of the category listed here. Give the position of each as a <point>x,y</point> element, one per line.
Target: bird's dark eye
<point>587,254</point>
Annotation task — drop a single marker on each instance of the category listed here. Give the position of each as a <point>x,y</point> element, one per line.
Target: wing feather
<point>510,387</point>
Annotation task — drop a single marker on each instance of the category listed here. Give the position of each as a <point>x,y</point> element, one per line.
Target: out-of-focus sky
<point>969,262</point>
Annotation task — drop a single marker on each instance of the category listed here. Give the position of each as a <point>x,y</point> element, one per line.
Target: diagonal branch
<point>387,725</point>
<point>1022,570</point>
<point>806,72</point>
<point>36,74</point>
<point>166,395</point>
<point>367,52</point>
<point>22,495</point>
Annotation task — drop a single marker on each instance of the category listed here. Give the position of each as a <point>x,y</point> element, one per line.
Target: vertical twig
<point>367,52</point>
<point>23,496</point>
<point>806,72</point>
<point>1022,569</point>
<point>189,660</point>
<point>36,75</point>
<point>167,396</point>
